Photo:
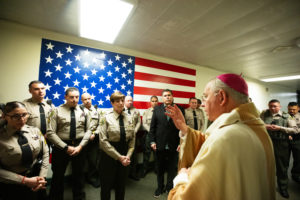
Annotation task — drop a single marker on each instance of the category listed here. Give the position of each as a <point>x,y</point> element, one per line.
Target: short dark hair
<point>192,98</point>
<point>116,96</point>
<point>293,104</point>
<point>274,101</point>
<point>199,101</point>
<point>10,106</point>
<point>167,90</point>
<point>153,97</point>
<point>71,89</point>
<point>34,82</point>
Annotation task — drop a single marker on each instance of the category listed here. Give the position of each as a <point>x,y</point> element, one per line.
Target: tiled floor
<point>135,190</point>
<point>144,189</point>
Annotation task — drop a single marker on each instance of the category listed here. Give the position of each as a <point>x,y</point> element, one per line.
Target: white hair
<point>216,85</point>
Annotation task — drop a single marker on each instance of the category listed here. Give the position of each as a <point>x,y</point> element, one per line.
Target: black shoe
<point>134,177</point>
<point>144,173</point>
<point>284,193</point>
<point>94,183</point>
<point>296,178</point>
<point>157,193</point>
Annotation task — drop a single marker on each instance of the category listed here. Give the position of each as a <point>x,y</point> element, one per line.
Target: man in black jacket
<point>164,141</point>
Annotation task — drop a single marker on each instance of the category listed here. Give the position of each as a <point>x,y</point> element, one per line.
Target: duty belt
<point>122,148</point>
<point>278,135</point>
<point>73,142</point>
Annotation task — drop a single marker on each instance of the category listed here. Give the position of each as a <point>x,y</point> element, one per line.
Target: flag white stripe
<point>157,85</point>
<point>145,98</point>
<point>154,71</point>
<point>142,111</point>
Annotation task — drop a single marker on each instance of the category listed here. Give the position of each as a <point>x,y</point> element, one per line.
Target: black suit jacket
<point>162,130</point>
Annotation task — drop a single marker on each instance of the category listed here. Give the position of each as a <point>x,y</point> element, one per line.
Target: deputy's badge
<point>35,137</point>
<point>130,121</point>
<point>95,115</point>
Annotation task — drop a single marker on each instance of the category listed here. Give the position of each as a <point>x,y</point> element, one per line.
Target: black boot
<point>284,193</point>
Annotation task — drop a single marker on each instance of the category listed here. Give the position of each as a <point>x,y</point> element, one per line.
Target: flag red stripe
<point>146,105</point>
<point>183,105</point>
<point>163,79</point>
<point>164,66</point>
<point>157,92</point>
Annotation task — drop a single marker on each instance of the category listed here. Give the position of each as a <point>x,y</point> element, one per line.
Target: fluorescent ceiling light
<point>282,78</point>
<point>102,20</point>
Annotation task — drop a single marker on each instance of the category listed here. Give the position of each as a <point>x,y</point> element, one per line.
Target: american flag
<point>152,77</point>
<point>101,73</point>
<point>97,72</point>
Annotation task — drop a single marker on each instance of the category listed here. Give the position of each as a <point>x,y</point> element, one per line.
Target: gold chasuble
<point>234,159</point>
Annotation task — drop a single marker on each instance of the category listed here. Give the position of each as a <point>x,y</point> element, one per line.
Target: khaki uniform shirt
<point>297,120</point>
<point>58,129</point>
<point>147,117</point>
<point>11,153</point>
<point>33,108</point>
<point>95,116</point>
<point>291,126</point>
<point>135,114</point>
<point>110,132</point>
<point>189,118</point>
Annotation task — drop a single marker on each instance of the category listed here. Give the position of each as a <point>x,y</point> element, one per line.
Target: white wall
<point>20,56</point>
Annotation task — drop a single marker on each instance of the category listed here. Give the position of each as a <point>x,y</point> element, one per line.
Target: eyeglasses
<point>17,117</point>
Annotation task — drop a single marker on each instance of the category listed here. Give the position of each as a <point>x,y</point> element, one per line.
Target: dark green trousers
<point>60,160</point>
<point>113,174</point>
<point>282,158</point>
<point>93,160</point>
<point>295,150</point>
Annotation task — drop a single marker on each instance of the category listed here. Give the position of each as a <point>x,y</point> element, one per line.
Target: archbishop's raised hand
<point>175,113</point>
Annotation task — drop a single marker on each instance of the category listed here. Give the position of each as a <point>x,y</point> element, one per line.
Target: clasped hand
<point>125,160</point>
<point>73,151</point>
<point>272,127</point>
<point>35,183</point>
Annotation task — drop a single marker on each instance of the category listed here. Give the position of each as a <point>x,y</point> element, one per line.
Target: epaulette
<point>81,107</point>
<point>285,115</point>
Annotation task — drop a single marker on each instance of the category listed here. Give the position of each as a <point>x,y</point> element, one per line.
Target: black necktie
<point>25,148</point>
<point>43,119</point>
<point>195,120</point>
<point>168,118</point>
<point>122,129</point>
<point>129,111</point>
<point>73,125</point>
